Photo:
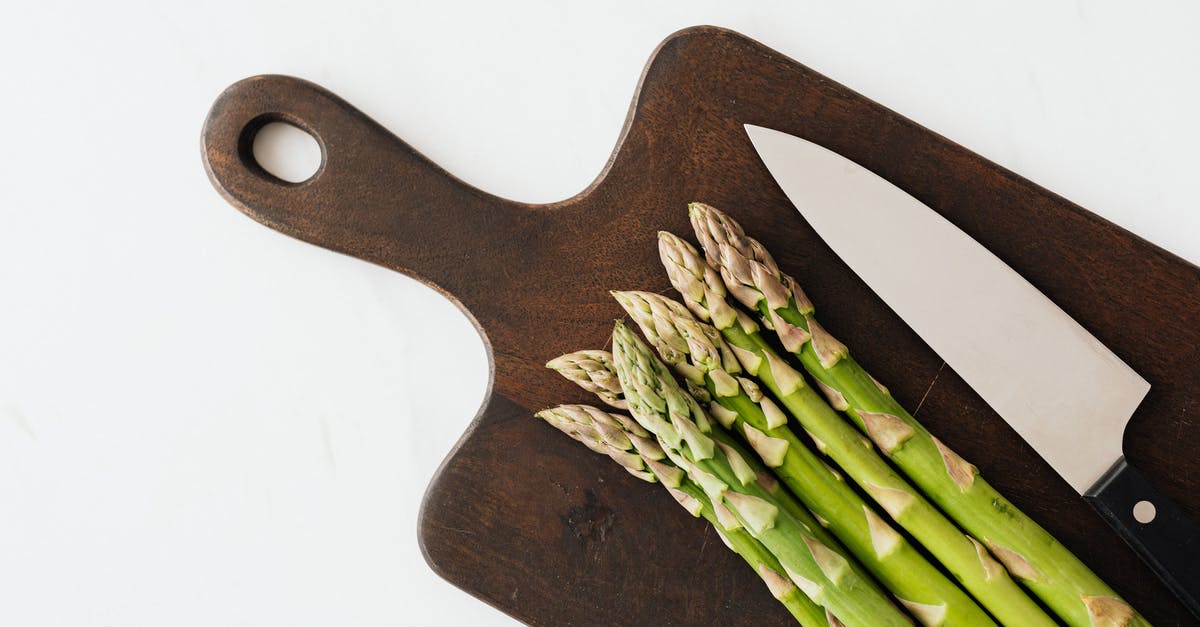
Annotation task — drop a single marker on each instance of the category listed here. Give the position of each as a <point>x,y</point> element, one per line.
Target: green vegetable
<point>1030,554</point>
<point>593,371</point>
<point>699,353</point>
<point>603,371</point>
<point>967,560</point>
<point>685,433</point>
<point>628,444</point>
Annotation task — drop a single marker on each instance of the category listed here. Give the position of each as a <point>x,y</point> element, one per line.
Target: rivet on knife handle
<point>1154,526</point>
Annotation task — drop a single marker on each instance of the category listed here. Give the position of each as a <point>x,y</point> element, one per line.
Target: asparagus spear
<point>1029,552</point>
<point>697,351</point>
<point>622,439</point>
<point>969,562</point>
<point>683,430</point>
<point>604,371</point>
<point>593,371</point>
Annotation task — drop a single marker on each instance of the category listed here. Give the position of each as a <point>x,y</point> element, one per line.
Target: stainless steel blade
<point>1057,385</point>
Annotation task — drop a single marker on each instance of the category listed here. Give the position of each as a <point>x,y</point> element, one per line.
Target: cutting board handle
<point>373,197</point>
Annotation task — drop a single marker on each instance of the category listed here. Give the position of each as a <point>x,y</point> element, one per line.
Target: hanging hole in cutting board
<point>281,150</point>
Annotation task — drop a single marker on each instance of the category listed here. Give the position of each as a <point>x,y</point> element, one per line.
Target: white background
<point>203,422</point>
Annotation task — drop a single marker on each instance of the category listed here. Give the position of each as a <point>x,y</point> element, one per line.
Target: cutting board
<point>536,525</point>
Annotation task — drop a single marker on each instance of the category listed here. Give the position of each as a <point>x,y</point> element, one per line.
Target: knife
<point>1071,403</point>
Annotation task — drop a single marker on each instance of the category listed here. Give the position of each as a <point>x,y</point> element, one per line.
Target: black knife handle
<point>1169,542</point>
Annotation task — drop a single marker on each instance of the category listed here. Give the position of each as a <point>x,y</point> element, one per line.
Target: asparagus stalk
<point>622,439</point>
<point>1029,552</point>
<point>683,430</point>
<point>593,371</point>
<point>591,377</point>
<point>698,353</point>
<point>969,562</point>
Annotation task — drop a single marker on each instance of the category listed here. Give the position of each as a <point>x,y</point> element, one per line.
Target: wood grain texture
<point>550,533</point>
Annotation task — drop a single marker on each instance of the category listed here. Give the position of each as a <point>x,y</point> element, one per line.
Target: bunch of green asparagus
<point>848,509</point>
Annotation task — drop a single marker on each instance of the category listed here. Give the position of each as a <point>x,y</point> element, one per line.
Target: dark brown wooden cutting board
<point>552,534</point>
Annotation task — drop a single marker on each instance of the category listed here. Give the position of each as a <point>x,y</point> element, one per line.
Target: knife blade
<point>1058,386</point>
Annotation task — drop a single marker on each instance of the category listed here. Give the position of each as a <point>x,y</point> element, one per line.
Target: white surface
<point>205,423</point>
<point>1071,402</point>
